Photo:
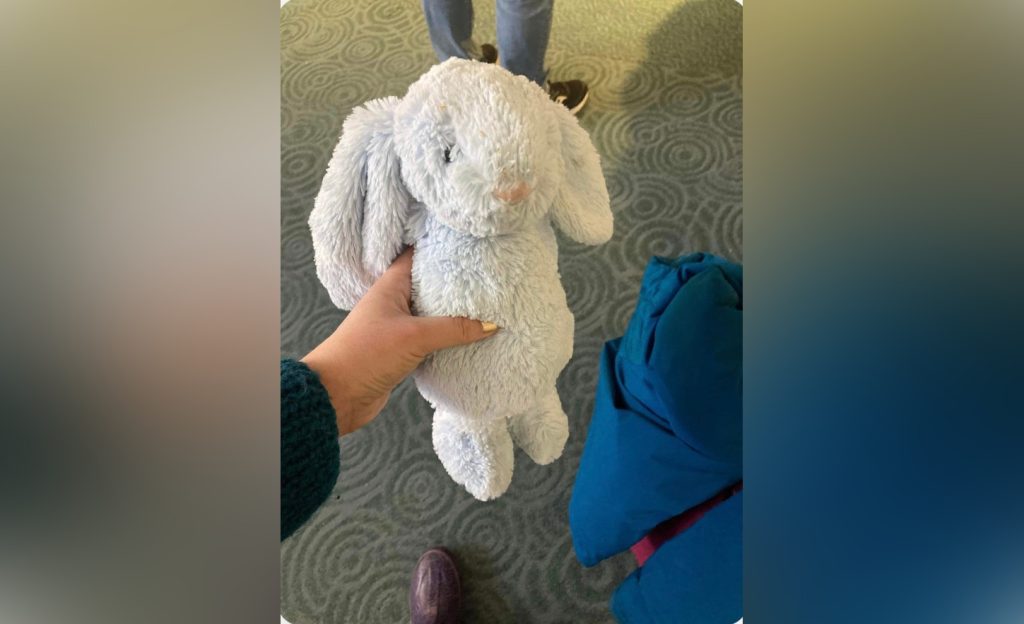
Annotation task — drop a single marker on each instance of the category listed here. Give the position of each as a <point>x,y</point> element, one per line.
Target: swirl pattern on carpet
<point>666,114</point>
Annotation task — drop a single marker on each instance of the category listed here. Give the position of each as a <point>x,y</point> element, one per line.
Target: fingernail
<point>488,327</point>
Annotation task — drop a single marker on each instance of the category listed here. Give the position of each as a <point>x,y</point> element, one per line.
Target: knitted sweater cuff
<point>309,445</point>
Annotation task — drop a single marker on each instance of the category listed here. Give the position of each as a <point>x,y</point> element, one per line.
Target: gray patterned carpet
<point>666,115</point>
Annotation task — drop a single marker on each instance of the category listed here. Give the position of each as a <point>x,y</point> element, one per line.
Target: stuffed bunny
<point>471,167</point>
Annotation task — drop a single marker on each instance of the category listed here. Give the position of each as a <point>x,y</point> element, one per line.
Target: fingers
<point>434,332</point>
<point>441,332</point>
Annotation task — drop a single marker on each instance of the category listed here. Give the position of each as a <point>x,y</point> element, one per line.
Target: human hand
<point>379,343</point>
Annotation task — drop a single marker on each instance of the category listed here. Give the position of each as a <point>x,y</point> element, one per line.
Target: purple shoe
<point>435,594</point>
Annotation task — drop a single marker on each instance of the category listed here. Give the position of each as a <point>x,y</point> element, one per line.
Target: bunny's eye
<point>447,155</point>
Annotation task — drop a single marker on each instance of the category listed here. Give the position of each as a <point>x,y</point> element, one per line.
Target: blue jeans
<point>523,30</point>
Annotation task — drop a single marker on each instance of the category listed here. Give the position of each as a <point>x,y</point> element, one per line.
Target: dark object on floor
<point>435,593</point>
<point>666,438</point>
<point>573,94</point>
<point>488,53</point>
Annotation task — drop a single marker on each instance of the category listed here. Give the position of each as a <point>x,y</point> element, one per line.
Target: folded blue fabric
<point>666,432</point>
<point>697,577</point>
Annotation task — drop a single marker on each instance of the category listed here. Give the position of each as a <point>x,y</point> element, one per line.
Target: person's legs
<point>523,30</point>
<point>450,23</point>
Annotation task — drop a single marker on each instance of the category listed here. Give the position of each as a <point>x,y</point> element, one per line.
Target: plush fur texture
<point>472,167</point>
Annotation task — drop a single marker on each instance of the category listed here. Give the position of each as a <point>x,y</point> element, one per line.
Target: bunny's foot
<point>477,455</point>
<point>542,431</point>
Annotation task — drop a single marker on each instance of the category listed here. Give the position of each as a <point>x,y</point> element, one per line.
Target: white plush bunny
<point>472,166</point>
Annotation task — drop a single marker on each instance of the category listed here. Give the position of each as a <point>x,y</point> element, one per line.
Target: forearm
<point>309,445</point>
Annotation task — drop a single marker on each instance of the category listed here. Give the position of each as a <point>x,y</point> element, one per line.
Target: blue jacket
<point>666,435</point>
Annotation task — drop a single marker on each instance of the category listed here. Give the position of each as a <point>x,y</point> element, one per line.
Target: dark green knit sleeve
<point>309,445</point>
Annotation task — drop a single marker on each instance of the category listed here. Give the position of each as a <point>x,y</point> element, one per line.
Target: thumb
<point>441,332</point>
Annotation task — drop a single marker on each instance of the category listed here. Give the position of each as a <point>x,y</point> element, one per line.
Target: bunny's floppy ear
<point>359,216</point>
<point>582,209</point>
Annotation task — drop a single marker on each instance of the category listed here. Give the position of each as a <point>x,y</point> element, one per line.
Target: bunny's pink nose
<point>514,194</point>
